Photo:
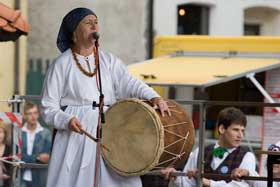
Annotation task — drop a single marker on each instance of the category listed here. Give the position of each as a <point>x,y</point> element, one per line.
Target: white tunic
<point>73,156</point>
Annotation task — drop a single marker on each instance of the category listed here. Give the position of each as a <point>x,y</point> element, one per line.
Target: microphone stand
<point>101,96</point>
<point>101,117</point>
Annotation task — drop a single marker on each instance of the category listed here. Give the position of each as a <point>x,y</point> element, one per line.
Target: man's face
<point>31,116</point>
<point>83,32</point>
<point>232,136</point>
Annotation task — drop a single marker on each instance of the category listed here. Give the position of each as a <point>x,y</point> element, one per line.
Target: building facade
<point>219,17</point>
<point>122,27</point>
<point>215,18</point>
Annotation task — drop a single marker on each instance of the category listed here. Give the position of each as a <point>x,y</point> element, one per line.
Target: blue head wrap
<point>68,26</point>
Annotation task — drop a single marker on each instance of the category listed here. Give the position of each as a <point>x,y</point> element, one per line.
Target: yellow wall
<point>7,60</point>
<point>6,71</point>
<point>164,45</point>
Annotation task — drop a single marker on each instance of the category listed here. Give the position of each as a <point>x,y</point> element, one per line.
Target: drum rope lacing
<point>175,124</point>
<point>181,153</point>
<point>186,137</point>
<point>176,156</point>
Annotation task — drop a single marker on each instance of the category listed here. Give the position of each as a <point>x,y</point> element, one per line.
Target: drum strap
<point>94,106</point>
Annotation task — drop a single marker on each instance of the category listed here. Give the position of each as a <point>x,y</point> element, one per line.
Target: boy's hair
<point>231,115</point>
<point>28,105</point>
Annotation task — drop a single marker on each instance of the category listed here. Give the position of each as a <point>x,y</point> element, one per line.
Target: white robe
<point>73,156</point>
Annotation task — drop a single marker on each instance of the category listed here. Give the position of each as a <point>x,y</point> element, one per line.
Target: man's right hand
<point>5,177</point>
<point>166,173</point>
<point>74,125</point>
<point>44,157</point>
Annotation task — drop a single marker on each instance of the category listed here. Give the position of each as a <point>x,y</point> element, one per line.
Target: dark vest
<point>232,161</point>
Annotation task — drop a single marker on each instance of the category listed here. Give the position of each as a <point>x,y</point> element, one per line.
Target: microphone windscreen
<point>95,35</point>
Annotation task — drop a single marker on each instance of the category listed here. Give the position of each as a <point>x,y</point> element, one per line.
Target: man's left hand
<point>161,104</point>
<point>238,173</point>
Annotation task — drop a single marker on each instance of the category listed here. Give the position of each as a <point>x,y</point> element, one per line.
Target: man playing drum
<point>222,157</point>
<point>70,89</point>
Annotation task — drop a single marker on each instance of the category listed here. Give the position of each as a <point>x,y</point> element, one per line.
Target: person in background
<point>5,151</point>
<point>36,146</point>
<point>222,157</point>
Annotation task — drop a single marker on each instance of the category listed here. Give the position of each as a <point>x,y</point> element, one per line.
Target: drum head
<point>134,134</point>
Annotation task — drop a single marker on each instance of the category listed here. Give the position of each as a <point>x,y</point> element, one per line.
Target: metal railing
<point>16,101</point>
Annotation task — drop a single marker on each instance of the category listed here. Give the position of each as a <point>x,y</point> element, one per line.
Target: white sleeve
<point>254,173</point>
<point>51,95</point>
<point>249,163</point>
<point>128,86</point>
<point>185,181</point>
<point>253,183</point>
<point>232,183</point>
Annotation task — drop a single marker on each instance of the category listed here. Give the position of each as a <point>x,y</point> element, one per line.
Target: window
<point>193,19</point>
<point>252,29</point>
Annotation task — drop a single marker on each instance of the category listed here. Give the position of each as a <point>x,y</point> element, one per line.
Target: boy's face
<point>31,116</point>
<point>232,136</point>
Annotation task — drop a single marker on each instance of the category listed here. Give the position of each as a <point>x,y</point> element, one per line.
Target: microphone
<point>95,35</point>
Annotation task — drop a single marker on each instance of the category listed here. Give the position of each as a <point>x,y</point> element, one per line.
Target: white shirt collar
<point>38,128</point>
<point>229,150</point>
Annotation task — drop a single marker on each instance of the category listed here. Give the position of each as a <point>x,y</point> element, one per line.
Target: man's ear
<point>74,37</point>
<point>221,129</point>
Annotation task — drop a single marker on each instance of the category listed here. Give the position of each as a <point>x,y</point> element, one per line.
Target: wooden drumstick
<point>94,139</point>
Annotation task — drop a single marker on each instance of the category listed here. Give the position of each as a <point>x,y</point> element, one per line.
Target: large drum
<point>140,139</point>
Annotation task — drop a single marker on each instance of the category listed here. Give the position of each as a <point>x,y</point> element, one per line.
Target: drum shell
<point>168,138</point>
<point>174,130</point>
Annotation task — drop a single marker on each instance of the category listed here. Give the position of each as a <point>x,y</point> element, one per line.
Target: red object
<point>13,119</point>
<point>196,120</point>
